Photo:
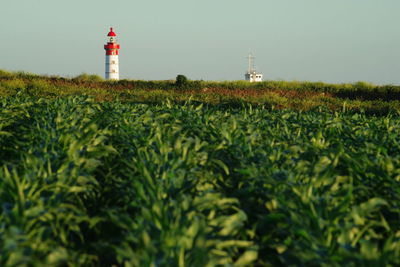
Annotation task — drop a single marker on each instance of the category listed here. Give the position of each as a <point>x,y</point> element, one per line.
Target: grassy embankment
<point>277,94</point>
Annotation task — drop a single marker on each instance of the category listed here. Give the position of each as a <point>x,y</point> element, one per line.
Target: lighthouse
<point>112,69</point>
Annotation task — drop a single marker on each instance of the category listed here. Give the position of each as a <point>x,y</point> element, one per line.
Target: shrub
<point>88,77</point>
<point>181,80</point>
<point>6,74</point>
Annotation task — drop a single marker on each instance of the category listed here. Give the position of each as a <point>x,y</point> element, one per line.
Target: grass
<point>359,96</point>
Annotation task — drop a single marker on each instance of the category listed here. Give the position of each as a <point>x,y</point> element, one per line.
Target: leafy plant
<point>87,183</point>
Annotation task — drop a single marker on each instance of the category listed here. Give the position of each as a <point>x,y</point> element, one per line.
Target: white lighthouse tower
<point>252,75</point>
<point>112,68</point>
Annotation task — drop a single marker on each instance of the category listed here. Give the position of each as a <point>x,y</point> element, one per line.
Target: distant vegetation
<point>378,99</point>
<point>88,78</point>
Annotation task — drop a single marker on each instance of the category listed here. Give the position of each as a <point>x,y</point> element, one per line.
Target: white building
<point>112,64</point>
<point>252,75</point>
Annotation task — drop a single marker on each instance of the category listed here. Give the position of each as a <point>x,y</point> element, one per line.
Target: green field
<point>100,183</point>
<point>359,96</point>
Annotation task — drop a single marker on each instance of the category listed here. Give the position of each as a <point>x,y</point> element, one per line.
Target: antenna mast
<point>250,57</point>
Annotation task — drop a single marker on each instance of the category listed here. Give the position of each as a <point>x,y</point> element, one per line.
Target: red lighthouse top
<point>112,46</point>
<point>111,33</point>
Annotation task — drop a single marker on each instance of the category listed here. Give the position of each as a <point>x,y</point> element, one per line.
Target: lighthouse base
<point>112,69</point>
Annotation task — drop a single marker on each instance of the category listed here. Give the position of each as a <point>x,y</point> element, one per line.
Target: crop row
<point>84,183</point>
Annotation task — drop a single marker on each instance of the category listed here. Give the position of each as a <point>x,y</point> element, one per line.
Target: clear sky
<point>316,40</point>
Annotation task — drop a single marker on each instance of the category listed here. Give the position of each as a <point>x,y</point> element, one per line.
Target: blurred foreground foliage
<point>88,183</point>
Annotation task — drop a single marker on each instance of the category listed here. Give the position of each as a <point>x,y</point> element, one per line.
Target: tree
<point>181,80</point>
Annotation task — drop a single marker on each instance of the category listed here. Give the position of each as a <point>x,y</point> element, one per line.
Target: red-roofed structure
<point>111,33</point>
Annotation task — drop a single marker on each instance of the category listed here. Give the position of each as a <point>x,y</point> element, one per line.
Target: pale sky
<point>315,40</point>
